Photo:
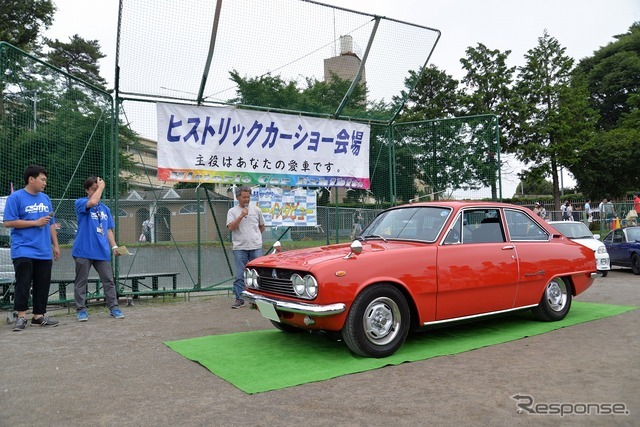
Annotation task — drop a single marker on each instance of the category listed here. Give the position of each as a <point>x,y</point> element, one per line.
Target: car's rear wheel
<point>290,329</point>
<point>378,322</point>
<point>635,264</point>
<point>555,302</point>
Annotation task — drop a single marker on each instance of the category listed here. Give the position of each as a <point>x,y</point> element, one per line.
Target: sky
<point>581,26</point>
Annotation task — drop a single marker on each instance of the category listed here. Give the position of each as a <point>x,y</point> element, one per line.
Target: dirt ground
<point>118,372</point>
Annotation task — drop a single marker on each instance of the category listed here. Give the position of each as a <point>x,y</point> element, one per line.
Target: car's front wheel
<point>378,322</point>
<point>604,272</point>
<point>635,264</point>
<point>555,302</point>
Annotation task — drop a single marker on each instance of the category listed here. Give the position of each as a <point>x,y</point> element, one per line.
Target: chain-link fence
<point>248,54</point>
<point>52,119</point>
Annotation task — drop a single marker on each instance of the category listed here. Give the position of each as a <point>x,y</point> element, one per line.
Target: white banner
<point>233,146</point>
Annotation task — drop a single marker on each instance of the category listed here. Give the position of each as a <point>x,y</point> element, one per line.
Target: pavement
<point>108,372</point>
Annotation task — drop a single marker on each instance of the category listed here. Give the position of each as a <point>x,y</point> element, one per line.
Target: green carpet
<point>268,360</point>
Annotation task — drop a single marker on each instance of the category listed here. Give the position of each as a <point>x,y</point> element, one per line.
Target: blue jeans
<point>241,257</point>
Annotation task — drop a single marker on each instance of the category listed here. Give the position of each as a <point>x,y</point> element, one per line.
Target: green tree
<point>79,58</point>
<point>435,95</point>
<point>21,21</point>
<point>487,81</point>
<point>420,154</point>
<point>487,85</point>
<point>604,166</point>
<point>265,91</point>
<point>533,184</point>
<point>608,168</point>
<point>552,114</point>
<point>612,75</point>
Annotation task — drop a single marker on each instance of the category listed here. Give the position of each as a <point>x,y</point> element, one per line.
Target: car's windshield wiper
<point>375,236</point>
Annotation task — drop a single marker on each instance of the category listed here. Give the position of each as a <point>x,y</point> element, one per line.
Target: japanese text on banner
<point>232,146</point>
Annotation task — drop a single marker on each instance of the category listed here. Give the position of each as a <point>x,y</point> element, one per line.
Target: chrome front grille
<point>275,281</point>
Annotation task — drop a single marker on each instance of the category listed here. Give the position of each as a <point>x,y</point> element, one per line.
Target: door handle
<point>508,248</point>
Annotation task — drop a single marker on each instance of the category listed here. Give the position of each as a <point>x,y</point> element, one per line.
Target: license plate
<point>267,310</point>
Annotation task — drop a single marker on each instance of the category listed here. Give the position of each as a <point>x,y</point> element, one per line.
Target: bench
<point>7,291</point>
<point>136,280</point>
<point>131,281</point>
<point>62,289</point>
<point>7,286</point>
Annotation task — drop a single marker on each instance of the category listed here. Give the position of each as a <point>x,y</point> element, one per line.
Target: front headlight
<point>298,284</point>
<point>311,286</point>
<point>304,287</point>
<point>602,250</point>
<point>251,278</point>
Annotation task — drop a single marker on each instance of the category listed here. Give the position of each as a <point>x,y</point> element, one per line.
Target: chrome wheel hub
<point>381,321</point>
<point>556,295</point>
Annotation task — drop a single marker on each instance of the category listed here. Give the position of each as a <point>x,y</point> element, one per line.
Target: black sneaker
<point>21,323</point>
<point>44,321</point>
<point>239,303</point>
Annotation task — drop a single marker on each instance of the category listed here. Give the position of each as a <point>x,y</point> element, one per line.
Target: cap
<point>538,203</point>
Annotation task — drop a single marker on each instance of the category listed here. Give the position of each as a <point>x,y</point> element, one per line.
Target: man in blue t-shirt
<point>29,215</point>
<point>93,246</point>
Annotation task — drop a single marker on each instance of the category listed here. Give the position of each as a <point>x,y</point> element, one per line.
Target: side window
<point>482,226</point>
<point>522,227</point>
<point>618,236</point>
<point>455,234</point>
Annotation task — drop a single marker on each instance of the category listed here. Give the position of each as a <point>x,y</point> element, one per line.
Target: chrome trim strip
<point>597,275</point>
<point>474,316</point>
<point>298,307</point>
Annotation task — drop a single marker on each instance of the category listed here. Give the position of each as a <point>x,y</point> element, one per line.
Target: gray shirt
<point>247,236</point>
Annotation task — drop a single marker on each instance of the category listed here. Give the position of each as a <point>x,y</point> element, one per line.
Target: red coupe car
<point>420,265</point>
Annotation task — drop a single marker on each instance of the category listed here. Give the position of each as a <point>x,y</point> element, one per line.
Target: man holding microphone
<point>246,224</point>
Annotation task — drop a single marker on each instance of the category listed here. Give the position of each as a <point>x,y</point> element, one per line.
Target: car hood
<point>590,243</point>
<point>305,259</point>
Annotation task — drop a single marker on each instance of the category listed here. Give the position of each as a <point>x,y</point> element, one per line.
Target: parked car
<point>5,236</point>
<point>421,265</point>
<point>623,245</point>
<point>580,233</point>
<point>67,230</point>
<point>6,265</point>
<point>5,233</point>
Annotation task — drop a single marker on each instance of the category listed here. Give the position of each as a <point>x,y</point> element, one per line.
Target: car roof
<point>462,203</point>
<point>566,222</point>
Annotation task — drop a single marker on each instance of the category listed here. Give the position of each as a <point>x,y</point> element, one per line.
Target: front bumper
<point>602,261</point>
<point>297,307</point>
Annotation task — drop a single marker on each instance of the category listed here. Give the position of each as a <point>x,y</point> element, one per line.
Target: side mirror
<point>596,236</point>
<point>275,248</point>
<point>355,248</point>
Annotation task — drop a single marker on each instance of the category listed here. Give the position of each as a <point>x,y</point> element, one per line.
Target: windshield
<point>573,229</point>
<point>411,223</point>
